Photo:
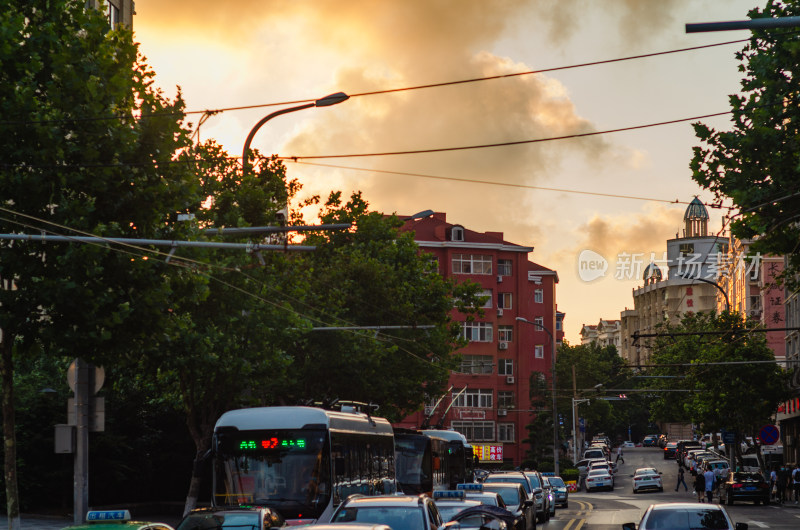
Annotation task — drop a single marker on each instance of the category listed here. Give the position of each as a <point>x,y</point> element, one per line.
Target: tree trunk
<point>9,432</point>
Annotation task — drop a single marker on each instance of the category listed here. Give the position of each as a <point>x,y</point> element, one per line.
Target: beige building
<point>673,286</point>
<point>605,333</point>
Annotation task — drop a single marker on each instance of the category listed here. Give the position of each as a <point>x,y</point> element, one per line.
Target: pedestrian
<point>709,480</point>
<point>619,455</point>
<point>699,485</point>
<point>783,480</point>
<point>773,483</point>
<point>796,482</point>
<point>681,481</point>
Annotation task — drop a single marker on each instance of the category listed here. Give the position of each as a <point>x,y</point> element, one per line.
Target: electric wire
<point>176,261</point>
<point>211,112</point>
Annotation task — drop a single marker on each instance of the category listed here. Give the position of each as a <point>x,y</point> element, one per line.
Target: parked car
<point>627,444</point>
<point>744,486</point>
<point>647,478</point>
<point>685,515</point>
<point>400,512</point>
<point>560,491</point>
<point>595,453</point>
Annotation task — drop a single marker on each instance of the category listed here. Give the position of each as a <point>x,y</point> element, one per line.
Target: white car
<point>647,478</point>
<point>685,515</point>
<point>628,444</point>
<point>599,478</point>
<point>602,464</point>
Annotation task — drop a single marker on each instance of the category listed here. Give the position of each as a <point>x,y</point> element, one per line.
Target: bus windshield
<point>287,470</point>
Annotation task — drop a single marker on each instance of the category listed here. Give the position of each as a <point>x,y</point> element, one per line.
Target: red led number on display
<point>272,443</point>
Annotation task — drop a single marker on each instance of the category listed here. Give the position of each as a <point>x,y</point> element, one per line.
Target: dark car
<point>651,440</point>
<point>531,482</point>
<point>231,518</point>
<point>684,446</point>
<point>517,502</point>
<point>744,486</point>
<point>669,450</point>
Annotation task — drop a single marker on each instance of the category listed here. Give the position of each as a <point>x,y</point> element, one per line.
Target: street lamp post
<point>553,377</point>
<point>331,99</point>
<point>575,403</point>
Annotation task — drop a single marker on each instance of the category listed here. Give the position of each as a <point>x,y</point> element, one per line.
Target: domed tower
<point>652,274</point>
<point>695,219</point>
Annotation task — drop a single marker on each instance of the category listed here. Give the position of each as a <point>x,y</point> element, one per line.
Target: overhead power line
<point>212,112</point>
<point>506,184</point>
<point>505,144</point>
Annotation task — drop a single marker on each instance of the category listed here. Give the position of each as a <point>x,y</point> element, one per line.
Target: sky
<point>562,197</point>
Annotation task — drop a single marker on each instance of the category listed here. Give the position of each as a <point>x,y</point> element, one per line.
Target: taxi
<point>116,520</point>
<point>451,502</point>
<point>455,507</point>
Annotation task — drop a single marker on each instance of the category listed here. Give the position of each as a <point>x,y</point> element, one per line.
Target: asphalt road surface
<point>607,510</point>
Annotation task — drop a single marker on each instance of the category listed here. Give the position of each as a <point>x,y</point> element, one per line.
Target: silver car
<point>685,515</point>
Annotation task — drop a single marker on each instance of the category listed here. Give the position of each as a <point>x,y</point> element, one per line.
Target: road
<point>608,510</point>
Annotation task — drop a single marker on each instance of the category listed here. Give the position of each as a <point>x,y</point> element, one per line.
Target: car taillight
<point>737,486</point>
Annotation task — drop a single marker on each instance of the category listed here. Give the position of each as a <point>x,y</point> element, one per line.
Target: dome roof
<point>652,272</point>
<point>696,210</point>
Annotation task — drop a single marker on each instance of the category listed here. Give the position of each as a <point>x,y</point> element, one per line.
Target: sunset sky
<point>256,52</point>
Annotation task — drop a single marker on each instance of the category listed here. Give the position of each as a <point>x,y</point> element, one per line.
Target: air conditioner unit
<point>510,379</point>
<point>499,312</point>
<point>499,278</point>
<point>503,346</point>
<point>502,412</point>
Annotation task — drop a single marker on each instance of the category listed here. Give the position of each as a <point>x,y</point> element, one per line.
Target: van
<point>750,463</point>
<point>594,452</point>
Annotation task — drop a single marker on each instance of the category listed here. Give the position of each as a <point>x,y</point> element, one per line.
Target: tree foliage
<point>728,365</point>
<point>756,164</point>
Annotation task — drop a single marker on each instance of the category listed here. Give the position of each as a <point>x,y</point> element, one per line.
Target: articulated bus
<point>461,461</point>
<point>421,462</point>
<point>301,461</point>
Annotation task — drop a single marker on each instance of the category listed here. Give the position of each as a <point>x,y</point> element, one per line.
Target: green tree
<point>89,147</point>
<point>597,370</point>
<point>540,431</point>
<point>733,366</point>
<point>375,275</point>
<point>755,164</point>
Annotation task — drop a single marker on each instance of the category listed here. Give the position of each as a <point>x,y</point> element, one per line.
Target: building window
<point>472,264</point>
<point>475,431</point>
<point>476,364</point>
<point>504,301</point>
<point>457,233</point>
<point>478,331</point>
<point>559,325</point>
<point>538,296</point>
<point>505,333</point>
<point>539,321</point>
<point>538,351</point>
<point>505,432</point>
<point>433,264</point>
<point>477,398</point>
<point>505,366</point>
<point>504,267</point>
<point>505,399</point>
<point>487,293</point>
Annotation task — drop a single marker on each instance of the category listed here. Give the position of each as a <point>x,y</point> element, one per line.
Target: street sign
<point>769,434</point>
<point>728,437</point>
<point>97,376</point>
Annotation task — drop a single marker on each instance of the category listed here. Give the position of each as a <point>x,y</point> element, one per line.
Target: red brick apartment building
<point>494,407</point>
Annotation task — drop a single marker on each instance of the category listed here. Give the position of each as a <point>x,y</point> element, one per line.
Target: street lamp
<point>555,415</point>
<point>331,99</point>
<point>715,284</point>
<point>575,403</point>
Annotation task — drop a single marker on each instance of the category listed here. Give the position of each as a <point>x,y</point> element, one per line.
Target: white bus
<point>301,461</point>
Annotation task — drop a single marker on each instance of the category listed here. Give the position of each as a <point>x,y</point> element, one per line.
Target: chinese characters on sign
<point>488,452</point>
